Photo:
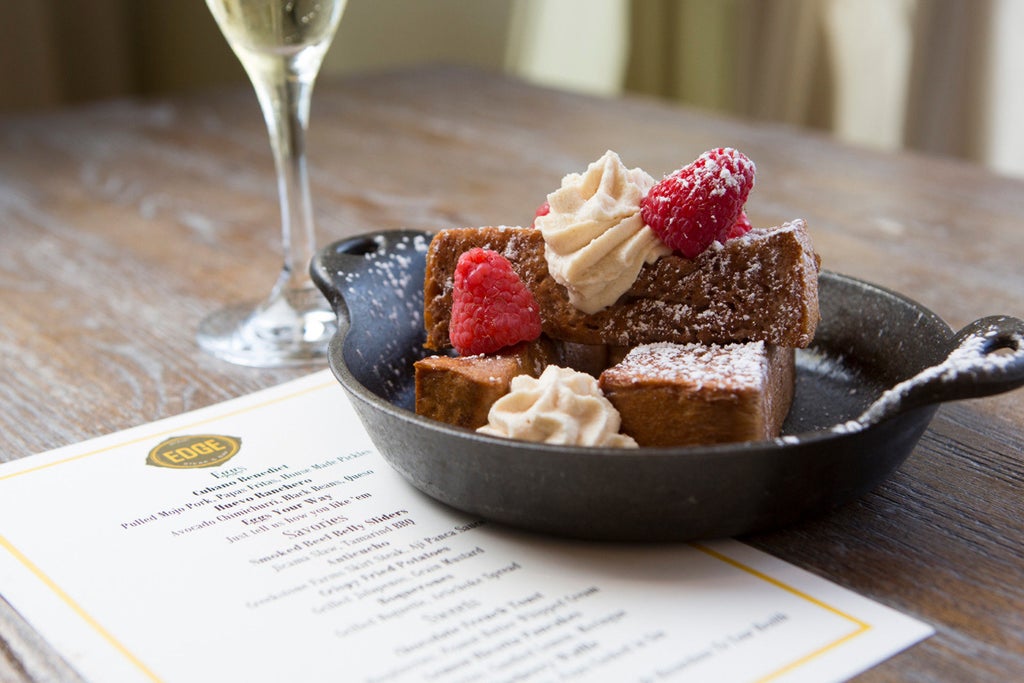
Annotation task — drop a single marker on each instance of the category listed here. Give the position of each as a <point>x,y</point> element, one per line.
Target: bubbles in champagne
<point>277,26</point>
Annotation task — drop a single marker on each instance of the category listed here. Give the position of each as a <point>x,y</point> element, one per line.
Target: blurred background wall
<point>939,76</point>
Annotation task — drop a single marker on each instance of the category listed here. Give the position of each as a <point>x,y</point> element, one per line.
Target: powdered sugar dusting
<point>848,427</point>
<point>709,168</point>
<point>728,366</point>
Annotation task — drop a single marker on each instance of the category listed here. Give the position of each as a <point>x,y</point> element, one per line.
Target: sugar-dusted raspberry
<point>491,307</point>
<point>542,210</point>
<point>699,203</point>
<point>741,227</point>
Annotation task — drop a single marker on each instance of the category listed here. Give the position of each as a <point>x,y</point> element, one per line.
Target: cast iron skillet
<point>836,444</point>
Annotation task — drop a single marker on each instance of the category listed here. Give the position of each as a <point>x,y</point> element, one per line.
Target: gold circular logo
<point>190,452</point>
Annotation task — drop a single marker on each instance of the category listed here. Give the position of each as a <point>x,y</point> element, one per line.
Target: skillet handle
<point>350,271</point>
<point>975,366</point>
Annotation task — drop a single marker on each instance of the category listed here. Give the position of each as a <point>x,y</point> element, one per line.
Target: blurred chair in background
<point>941,76</point>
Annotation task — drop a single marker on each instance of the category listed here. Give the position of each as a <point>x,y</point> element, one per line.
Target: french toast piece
<point>762,286</point>
<point>695,394</point>
<point>460,390</point>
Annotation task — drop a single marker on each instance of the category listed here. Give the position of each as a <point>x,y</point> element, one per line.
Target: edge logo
<point>192,452</point>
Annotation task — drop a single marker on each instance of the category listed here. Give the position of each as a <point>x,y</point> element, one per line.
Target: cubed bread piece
<point>759,287</point>
<point>460,390</point>
<point>695,394</point>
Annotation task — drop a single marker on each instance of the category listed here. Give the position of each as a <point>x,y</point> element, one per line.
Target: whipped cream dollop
<point>562,406</point>
<point>595,241</point>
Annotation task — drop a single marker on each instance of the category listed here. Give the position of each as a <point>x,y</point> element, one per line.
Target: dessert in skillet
<point>632,312</point>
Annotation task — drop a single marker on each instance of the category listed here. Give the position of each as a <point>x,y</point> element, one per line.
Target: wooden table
<point>123,223</point>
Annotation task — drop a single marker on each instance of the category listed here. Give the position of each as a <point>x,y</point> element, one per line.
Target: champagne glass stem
<point>285,102</point>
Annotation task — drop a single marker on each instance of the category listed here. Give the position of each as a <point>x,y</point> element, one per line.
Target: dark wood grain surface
<point>123,223</point>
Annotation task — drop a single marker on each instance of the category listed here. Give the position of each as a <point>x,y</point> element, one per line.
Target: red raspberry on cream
<point>700,203</point>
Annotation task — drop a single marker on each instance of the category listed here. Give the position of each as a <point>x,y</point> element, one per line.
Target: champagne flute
<point>281,44</point>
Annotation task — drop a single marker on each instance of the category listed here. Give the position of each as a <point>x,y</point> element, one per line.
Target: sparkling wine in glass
<point>281,44</point>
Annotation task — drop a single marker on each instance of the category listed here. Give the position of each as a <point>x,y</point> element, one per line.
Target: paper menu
<point>296,553</point>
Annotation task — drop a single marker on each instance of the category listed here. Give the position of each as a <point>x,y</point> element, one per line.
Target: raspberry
<point>699,203</point>
<point>542,210</point>
<point>741,227</point>
<point>491,306</point>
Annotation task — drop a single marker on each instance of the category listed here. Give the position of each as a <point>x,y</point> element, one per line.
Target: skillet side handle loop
<point>336,263</point>
<point>353,265</point>
<point>985,358</point>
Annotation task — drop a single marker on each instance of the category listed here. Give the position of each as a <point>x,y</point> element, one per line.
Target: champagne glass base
<point>281,332</point>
